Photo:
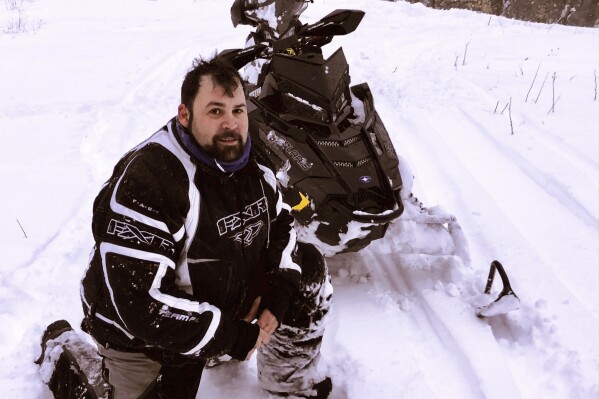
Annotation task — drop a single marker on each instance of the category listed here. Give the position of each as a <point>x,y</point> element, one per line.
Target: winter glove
<point>277,299</point>
<point>247,335</point>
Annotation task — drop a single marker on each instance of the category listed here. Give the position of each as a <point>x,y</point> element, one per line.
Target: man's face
<point>219,123</point>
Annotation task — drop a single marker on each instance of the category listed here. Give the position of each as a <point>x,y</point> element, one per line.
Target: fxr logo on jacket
<point>127,231</point>
<point>233,222</point>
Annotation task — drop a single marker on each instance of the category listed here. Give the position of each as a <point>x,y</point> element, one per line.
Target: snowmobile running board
<point>507,299</point>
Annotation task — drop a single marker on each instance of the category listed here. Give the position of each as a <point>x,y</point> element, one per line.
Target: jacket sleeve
<point>282,268</point>
<point>138,225</point>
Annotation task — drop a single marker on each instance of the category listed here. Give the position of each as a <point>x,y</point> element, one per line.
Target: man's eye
<point>239,110</point>
<point>215,111</point>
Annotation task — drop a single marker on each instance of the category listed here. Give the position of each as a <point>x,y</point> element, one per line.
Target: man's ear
<point>183,114</point>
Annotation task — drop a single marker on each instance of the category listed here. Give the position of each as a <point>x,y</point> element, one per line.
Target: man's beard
<point>226,152</point>
<point>223,152</point>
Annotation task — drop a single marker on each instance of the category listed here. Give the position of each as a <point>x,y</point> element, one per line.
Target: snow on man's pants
<point>290,362</point>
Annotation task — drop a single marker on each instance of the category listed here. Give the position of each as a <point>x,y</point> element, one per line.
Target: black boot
<point>52,331</point>
<point>70,366</point>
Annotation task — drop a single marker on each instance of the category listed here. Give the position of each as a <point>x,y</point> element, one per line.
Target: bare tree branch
<point>533,81</point>
<point>22,229</point>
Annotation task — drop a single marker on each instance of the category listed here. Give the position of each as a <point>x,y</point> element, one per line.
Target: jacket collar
<point>207,159</point>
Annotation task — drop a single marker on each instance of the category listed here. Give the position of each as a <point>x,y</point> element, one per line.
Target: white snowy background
<point>83,81</point>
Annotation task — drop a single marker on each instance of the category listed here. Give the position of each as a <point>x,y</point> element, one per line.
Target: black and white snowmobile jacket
<point>176,246</point>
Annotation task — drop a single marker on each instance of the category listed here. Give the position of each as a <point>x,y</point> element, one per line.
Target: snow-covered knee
<point>312,302</point>
<point>312,263</point>
<point>291,362</point>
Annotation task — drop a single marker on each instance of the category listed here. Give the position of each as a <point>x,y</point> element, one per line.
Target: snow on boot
<point>71,367</point>
<point>321,390</point>
<point>217,361</point>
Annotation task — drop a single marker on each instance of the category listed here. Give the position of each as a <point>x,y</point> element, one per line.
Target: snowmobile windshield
<point>274,15</point>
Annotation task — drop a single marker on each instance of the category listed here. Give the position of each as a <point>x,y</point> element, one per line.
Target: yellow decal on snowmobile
<point>302,204</point>
<point>290,51</point>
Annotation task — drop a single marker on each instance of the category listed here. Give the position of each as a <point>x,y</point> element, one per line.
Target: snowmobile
<point>335,159</point>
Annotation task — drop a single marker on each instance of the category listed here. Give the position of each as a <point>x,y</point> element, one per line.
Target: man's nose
<point>229,122</point>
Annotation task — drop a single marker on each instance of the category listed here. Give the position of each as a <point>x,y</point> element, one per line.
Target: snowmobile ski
<point>506,301</point>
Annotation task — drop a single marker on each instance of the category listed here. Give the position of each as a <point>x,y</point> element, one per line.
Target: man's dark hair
<point>223,74</point>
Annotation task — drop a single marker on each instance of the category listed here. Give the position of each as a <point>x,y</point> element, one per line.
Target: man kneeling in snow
<point>196,257</point>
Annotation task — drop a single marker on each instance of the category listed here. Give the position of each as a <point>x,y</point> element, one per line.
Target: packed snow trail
<point>503,188</point>
<point>416,266</point>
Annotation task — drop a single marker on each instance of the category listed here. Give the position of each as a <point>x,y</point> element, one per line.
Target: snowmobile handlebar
<point>240,57</point>
<point>338,22</point>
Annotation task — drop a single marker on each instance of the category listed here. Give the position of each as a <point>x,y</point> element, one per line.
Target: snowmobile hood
<point>311,78</point>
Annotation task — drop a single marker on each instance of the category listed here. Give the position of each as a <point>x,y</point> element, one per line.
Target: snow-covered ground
<point>497,118</point>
